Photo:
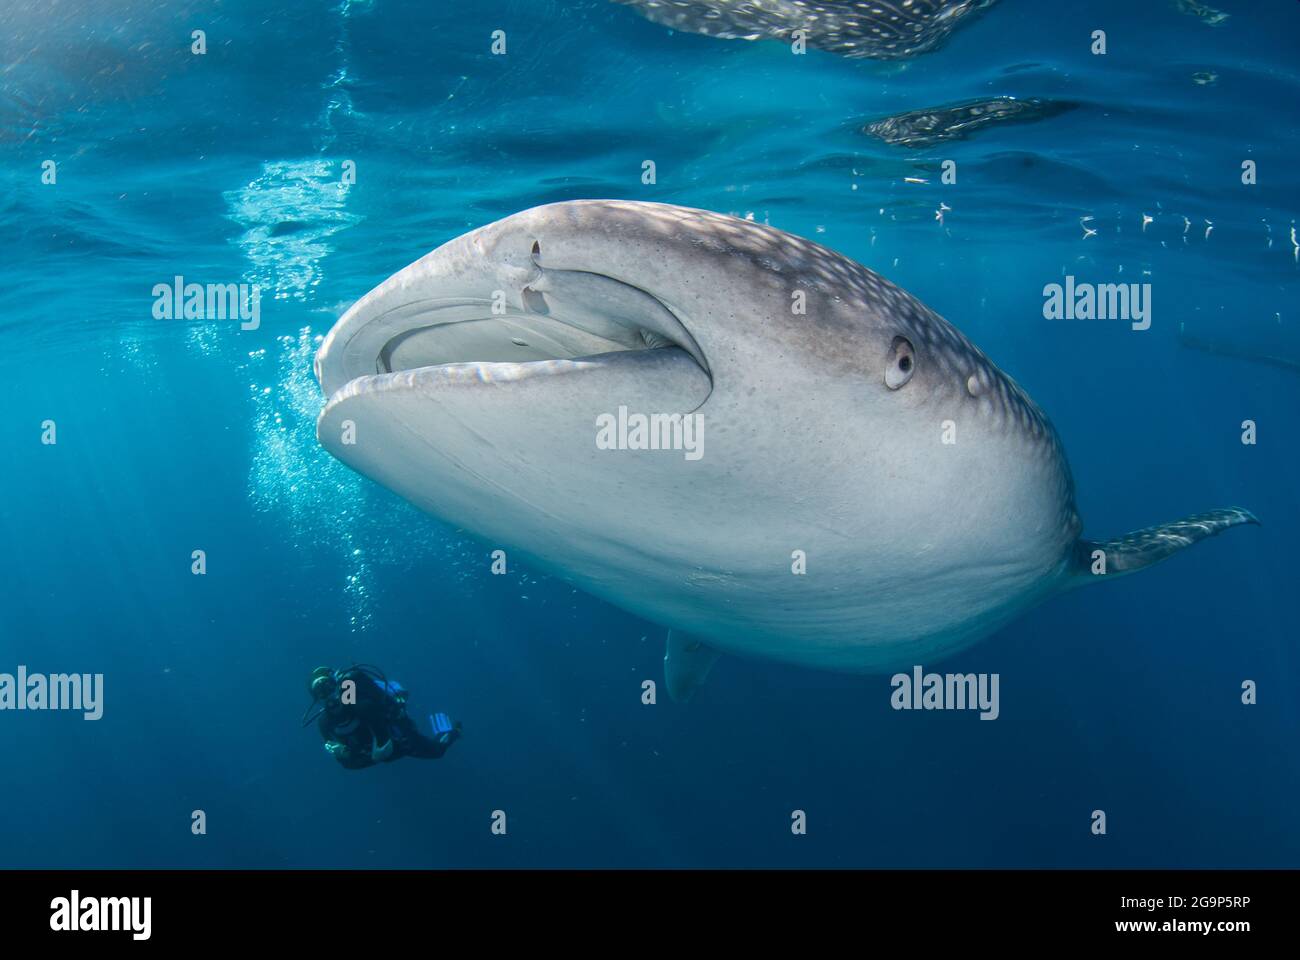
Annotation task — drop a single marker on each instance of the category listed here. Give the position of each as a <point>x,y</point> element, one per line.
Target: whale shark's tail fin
<point>687,663</point>
<point>1099,559</point>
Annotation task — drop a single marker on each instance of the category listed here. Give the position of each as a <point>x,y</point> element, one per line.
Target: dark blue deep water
<point>174,436</point>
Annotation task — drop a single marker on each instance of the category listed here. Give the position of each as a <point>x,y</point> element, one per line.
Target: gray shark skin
<point>886,30</point>
<point>844,423</point>
<point>931,125</point>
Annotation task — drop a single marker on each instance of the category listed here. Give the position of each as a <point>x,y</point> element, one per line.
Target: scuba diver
<point>362,718</point>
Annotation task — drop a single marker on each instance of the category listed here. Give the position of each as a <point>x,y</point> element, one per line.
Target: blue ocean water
<point>180,435</point>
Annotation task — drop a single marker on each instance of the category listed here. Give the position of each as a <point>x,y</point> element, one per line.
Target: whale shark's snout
<point>520,291</point>
<point>721,427</point>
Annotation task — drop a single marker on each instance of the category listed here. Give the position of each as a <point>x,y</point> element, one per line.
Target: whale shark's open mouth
<point>423,383</point>
<point>464,335</point>
<point>557,315</point>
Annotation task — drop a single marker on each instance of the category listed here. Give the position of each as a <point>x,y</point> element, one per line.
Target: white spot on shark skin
<point>820,429</point>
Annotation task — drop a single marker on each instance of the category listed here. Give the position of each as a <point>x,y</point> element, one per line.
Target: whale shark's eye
<point>902,363</point>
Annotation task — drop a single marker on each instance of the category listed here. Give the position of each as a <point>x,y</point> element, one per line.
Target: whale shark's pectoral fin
<point>687,663</point>
<point>1098,559</point>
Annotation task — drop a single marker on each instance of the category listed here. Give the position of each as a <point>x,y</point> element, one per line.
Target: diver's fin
<point>687,662</point>
<point>1099,559</point>
<point>379,754</point>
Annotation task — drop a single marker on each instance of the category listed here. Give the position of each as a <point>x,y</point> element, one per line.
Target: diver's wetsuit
<point>376,718</point>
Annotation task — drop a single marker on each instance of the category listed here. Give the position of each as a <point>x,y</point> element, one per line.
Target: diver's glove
<point>380,754</point>
<point>336,750</point>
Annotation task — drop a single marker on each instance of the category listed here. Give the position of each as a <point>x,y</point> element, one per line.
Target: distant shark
<point>880,30</point>
<point>1272,355</point>
<point>872,491</point>
<point>956,121</point>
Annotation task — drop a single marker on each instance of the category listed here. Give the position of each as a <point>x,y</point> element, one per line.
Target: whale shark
<point>881,30</point>
<point>870,490</point>
<point>1274,354</point>
<point>935,125</point>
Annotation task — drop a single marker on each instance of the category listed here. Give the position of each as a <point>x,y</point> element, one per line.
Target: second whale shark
<point>881,30</point>
<point>869,490</point>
